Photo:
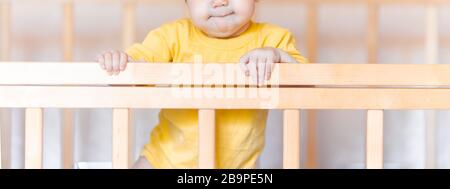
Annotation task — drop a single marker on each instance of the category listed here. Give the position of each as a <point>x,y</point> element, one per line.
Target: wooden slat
<point>128,38</point>
<point>312,31</point>
<point>432,56</point>
<point>291,139</point>
<point>206,139</point>
<point>5,51</point>
<point>372,32</point>
<point>311,140</point>
<point>5,31</point>
<point>128,24</point>
<point>374,147</point>
<point>286,74</point>
<point>67,139</point>
<point>284,98</point>
<point>5,138</point>
<point>374,139</point>
<point>67,114</point>
<point>312,46</point>
<point>68,31</point>
<point>121,139</point>
<point>33,138</point>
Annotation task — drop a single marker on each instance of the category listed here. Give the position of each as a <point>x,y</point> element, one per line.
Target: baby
<point>219,31</point>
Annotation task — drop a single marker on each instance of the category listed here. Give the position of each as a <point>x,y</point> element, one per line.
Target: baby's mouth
<point>221,15</point>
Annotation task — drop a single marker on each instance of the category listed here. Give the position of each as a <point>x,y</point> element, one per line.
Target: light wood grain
<point>374,139</point>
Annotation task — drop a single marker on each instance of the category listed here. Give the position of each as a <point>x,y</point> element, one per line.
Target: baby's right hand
<point>113,62</point>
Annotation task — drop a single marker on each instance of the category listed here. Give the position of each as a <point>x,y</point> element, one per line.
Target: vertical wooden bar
<point>128,38</point>
<point>68,31</point>
<point>206,139</point>
<point>432,53</point>
<point>372,32</point>
<point>67,139</point>
<point>312,30</point>
<point>312,46</point>
<point>33,138</point>
<point>5,50</point>
<point>374,132</point>
<point>5,138</point>
<point>129,24</point>
<point>291,139</point>
<point>5,31</point>
<point>374,139</point>
<point>121,139</point>
<point>68,46</point>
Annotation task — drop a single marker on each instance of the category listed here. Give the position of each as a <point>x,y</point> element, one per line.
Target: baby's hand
<point>113,62</point>
<point>259,63</point>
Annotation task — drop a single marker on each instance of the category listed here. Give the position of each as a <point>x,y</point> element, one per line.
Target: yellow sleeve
<point>288,44</point>
<point>155,48</point>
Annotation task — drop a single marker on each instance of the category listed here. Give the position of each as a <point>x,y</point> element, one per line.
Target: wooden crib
<point>38,85</point>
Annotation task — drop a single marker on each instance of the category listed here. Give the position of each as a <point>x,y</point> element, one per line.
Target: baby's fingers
<point>116,62</point>
<point>243,64</point>
<point>123,61</point>
<point>109,63</point>
<point>101,61</point>
<point>253,68</point>
<point>269,68</point>
<point>261,70</point>
<point>244,68</point>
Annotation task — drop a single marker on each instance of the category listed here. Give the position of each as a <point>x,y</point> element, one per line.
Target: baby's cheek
<point>198,11</point>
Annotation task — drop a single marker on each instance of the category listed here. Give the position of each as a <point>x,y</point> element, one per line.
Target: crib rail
<point>312,13</point>
<point>371,87</point>
<point>88,73</point>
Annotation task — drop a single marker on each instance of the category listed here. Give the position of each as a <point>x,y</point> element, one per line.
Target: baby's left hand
<point>259,63</point>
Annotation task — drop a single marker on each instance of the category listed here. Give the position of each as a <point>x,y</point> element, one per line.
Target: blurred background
<point>342,31</point>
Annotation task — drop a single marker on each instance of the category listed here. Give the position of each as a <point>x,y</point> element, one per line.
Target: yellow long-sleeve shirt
<point>239,133</point>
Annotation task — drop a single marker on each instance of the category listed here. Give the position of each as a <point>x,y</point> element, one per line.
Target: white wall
<point>36,37</point>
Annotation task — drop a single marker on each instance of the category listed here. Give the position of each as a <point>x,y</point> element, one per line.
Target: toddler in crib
<point>220,31</point>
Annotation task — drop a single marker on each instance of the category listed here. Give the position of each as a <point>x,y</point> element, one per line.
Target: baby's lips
<point>221,13</point>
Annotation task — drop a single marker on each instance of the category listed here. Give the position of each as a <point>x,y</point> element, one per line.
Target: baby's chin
<point>222,31</point>
<point>220,34</point>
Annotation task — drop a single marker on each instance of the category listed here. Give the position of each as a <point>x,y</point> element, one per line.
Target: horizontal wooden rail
<point>21,73</point>
<point>371,87</point>
<point>283,98</point>
<point>338,86</point>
